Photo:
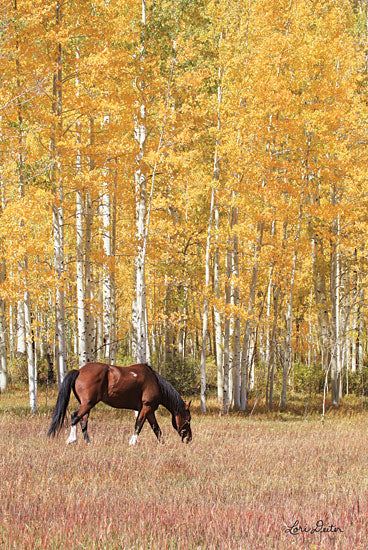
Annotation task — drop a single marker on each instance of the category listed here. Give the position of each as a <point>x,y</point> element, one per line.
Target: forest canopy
<point>184,183</point>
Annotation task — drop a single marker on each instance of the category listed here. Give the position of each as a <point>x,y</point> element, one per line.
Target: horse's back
<point>120,387</point>
<point>128,387</point>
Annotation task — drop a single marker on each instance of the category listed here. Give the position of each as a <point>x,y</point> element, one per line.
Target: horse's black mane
<point>169,396</point>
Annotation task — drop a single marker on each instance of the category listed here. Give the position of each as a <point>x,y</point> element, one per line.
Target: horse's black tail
<point>62,402</point>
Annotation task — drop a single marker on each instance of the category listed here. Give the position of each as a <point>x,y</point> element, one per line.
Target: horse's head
<point>181,423</point>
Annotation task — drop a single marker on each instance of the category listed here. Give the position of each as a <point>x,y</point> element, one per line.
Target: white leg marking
<point>73,435</point>
<point>133,440</point>
<point>136,413</point>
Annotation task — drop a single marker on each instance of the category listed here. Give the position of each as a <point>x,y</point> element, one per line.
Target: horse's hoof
<point>133,440</point>
<point>69,441</point>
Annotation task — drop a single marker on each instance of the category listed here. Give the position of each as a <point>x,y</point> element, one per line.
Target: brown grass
<point>236,486</point>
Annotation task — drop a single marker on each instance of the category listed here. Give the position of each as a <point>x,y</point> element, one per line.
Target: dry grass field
<point>239,485</point>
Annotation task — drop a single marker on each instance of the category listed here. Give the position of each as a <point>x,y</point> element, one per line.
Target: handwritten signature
<point>320,527</point>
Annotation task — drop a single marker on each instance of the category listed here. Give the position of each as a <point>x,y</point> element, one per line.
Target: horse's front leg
<point>140,420</point>
<point>154,425</point>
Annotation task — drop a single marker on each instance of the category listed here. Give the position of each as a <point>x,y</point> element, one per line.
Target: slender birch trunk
<point>235,301</point>
<point>107,272</point>
<point>21,343</point>
<point>268,312</point>
<point>227,320</point>
<point>88,278</point>
<point>32,373</point>
<point>360,329</point>
<point>80,250</point>
<point>57,212</point>
<point>12,338</point>
<point>321,302</point>
<point>216,177</point>
<point>100,347</point>
<point>84,219</point>
<point>216,266</point>
<point>268,333</point>
<point>3,350</point>
<point>289,316</point>
<point>336,321</point>
<point>205,303</point>
<point>250,311</point>
<point>81,305</point>
<point>21,339</point>
<point>276,308</point>
<point>143,213</point>
<point>354,310</point>
<point>108,294</point>
<point>217,314</point>
<point>140,134</point>
<point>3,308</point>
<point>113,342</point>
<point>59,298</point>
<point>251,360</point>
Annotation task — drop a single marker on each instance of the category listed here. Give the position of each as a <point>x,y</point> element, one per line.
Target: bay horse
<point>137,387</point>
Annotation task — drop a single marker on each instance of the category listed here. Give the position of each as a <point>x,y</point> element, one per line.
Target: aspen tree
<point>57,207</point>
<point>140,133</point>
<point>3,335</point>
<point>205,302</point>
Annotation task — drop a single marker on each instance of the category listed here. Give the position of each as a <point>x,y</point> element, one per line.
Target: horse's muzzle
<point>186,437</point>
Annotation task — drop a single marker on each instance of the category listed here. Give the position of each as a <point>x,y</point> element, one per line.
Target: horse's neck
<point>169,407</point>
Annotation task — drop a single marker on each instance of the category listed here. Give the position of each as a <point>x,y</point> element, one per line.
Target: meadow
<point>240,484</point>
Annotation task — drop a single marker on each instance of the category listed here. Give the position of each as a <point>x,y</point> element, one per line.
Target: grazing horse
<point>137,387</point>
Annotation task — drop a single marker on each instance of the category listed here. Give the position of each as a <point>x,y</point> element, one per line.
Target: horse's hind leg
<point>73,430</point>
<point>81,414</point>
<point>84,424</point>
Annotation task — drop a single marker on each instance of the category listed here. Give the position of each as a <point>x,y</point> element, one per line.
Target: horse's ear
<point>188,405</point>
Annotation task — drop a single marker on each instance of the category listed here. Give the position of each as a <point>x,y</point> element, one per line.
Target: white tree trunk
<point>21,341</point>
<point>139,318</point>
<point>11,332</point>
<point>217,315</point>
<point>216,267</point>
<point>205,304</point>
<point>59,301</point>
<point>336,321</point>
<point>140,134</point>
<point>354,320</point>
<point>58,215</point>
<point>268,305</point>
<point>113,342</point>
<point>32,374</point>
<point>248,324</point>
<point>361,329</point>
<point>289,316</point>
<point>270,379</point>
<point>235,301</point>
<point>3,354</point>
<point>100,348</point>
<point>81,306</point>
<point>106,281</point>
<point>251,357</point>
<point>227,320</point>
<point>143,213</point>
<point>88,278</point>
